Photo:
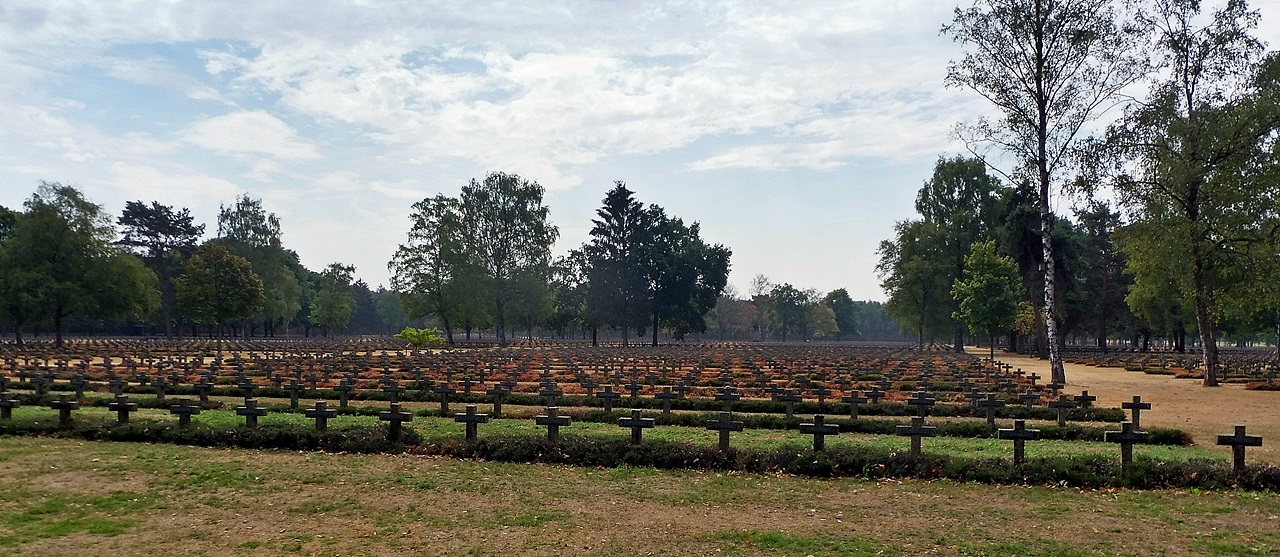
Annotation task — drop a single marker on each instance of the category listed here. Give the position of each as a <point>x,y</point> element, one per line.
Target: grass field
<point>67,497</point>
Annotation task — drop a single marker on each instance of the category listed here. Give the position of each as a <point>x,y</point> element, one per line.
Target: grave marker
<point>608,396</point>
<point>1126,437</point>
<point>64,405</point>
<point>819,429</point>
<point>854,400</point>
<point>724,425</point>
<point>637,423</point>
<point>251,412</point>
<point>321,413</point>
<point>472,421</point>
<point>916,430</point>
<point>1238,441</point>
<point>554,421</point>
<point>1135,408</point>
<point>396,417</point>
<point>1019,435</point>
<point>184,410</point>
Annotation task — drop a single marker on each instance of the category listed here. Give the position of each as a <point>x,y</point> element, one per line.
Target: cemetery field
<point>1204,412</point>
<point>66,497</point>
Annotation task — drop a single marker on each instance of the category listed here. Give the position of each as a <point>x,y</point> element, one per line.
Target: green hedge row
<point>970,428</point>
<point>294,437</point>
<point>864,462</point>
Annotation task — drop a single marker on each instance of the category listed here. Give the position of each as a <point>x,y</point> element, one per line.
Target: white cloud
<point>250,133</point>
<point>137,181</point>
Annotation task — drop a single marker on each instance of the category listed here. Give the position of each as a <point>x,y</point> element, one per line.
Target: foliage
<point>508,235</point>
<point>334,304</point>
<point>421,337</point>
<point>164,239</point>
<point>219,287</point>
<point>58,261</point>
<point>990,292</point>
<point>845,312</point>
<point>1048,67</point>
<point>1194,160</point>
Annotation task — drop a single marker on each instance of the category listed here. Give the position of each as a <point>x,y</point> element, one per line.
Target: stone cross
<point>682,389</point>
<point>608,395</point>
<point>6,407</point>
<point>1019,435</point>
<point>854,400</point>
<point>79,382</point>
<point>295,389</point>
<point>875,395</point>
<point>554,421</point>
<point>1029,398</point>
<point>724,426</point>
<point>666,396</point>
<point>990,404</point>
<point>728,397</point>
<point>822,392</point>
<point>1126,437</point>
<point>1238,441</point>
<point>184,410</point>
<point>974,396</point>
<point>819,429</point>
<point>393,388</point>
<point>247,386</point>
<point>203,388</point>
<point>472,421</point>
<point>550,392</point>
<point>498,392</point>
<point>344,390</point>
<point>635,389</point>
<point>160,385</point>
<point>396,417</point>
<point>789,398</point>
<point>117,385</point>
<point>251,412</point>
<point>443,391</point>
<point>1062,405</point>
<point>1085,400</point>
<point>637,423</point>
<point>321,414</point>
<point>923,401</point>
<point>916,430</point>
<point>64,405</point>
<point>1136,407</point>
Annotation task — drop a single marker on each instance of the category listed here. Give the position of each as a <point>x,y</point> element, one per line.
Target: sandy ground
<point>1204,412</point>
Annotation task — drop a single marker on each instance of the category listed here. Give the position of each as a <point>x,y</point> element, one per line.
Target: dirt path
<point>1203,412</point>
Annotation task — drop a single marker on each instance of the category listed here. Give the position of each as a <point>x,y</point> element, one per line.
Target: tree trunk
<point>594,340</point>
<point>655,323</point>
<point>1059,373</point>
<point>448,330</point>
<point>57,327</point>
<point>500,321</point>
<point>959,340</point>
<point>1208,332</point>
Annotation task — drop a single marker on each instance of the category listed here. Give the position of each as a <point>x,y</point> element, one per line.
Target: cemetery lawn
<point>68,497</point>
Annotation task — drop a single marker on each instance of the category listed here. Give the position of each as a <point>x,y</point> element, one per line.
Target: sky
<point>797,133</point>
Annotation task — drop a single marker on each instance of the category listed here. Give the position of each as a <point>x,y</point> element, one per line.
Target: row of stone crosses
<point>1131,432</point>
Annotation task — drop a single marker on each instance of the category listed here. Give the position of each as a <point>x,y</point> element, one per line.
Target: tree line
<point>65,261</point>
<point>1191,243</point>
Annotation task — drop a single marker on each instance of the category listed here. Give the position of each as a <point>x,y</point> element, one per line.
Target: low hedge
<point>969,428</point>
<point>1091,471</point>
<point>295,437</point>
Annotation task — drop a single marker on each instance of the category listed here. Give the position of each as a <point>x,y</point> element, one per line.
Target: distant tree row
<point>63,261</point>
<point>483,260</point>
